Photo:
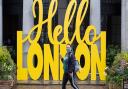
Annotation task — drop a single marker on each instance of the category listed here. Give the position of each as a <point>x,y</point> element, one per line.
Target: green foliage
<point>111,53</point>
<point>121,56</point>
<point>119,69</point>
<point>7,66</point>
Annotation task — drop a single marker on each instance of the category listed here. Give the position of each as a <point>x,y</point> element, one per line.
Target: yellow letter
<point>35,49</point>
<point>95,59</point>
<point>63,53</point>
<point>68,18</point>
<point>83,49</point>
<point>22,73</point>
<point>50,62</point>
<point>51,13</point>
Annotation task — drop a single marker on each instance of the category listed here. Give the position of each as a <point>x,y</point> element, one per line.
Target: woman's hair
<point>71,47</point>
<point>68,44</point>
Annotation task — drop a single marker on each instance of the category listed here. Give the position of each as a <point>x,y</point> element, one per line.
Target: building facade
<point>107,15</point>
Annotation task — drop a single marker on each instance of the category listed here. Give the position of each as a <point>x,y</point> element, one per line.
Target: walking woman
<point>68,66</point>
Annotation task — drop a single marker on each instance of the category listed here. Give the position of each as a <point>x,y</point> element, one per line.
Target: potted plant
<point>118,71</point>
<point>7,69</point>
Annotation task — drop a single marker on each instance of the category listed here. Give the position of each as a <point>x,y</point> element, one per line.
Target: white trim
<point>1,27</point>
<point>95,14</point>
<point>124,27</point>
<point>95,17</point>
<point>28,23</point>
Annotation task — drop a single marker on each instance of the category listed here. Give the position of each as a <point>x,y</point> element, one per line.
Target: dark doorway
<point>12,21</point>
<point>111,21</point>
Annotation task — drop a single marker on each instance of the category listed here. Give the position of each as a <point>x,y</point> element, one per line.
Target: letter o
<point>82,49</point>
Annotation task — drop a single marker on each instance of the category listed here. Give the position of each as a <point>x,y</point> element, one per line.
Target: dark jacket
<point>68,63</point>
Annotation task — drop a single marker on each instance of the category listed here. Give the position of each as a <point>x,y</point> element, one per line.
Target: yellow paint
<point>50,62</point>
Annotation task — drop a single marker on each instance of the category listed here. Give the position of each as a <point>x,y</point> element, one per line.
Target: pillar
<point>124,25</point>
<point>95,16</point>
<point>28,23</point>
<point>1,27</point>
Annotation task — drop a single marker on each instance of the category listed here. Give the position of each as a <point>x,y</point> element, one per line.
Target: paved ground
<point>54,85</point>
<point>59,87</point>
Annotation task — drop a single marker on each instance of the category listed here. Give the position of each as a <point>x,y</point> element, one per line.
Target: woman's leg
<point>65,80</point>
<point>73,82</point>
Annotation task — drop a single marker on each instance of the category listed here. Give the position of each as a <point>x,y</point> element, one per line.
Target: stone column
<point>95,16</point>
<point>124,25</point>
<point>28,23</point>
<point>95,19</point>
<point>1,27</point>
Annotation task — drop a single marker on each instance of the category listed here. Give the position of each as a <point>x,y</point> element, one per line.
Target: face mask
<point>69,50</point>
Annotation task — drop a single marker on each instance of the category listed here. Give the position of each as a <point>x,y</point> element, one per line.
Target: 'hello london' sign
<point>95,60</point>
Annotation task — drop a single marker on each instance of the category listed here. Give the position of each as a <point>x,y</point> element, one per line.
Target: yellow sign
<point>95,60</point>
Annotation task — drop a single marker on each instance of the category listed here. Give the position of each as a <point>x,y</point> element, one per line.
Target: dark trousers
<point>71,79</point>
